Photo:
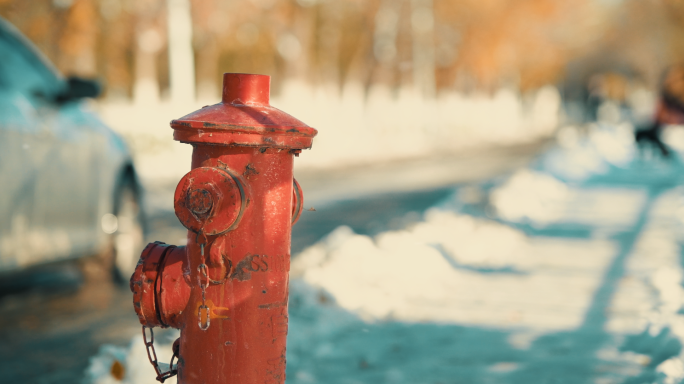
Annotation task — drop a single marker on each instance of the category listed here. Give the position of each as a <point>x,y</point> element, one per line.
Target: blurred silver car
<point>68,187</point>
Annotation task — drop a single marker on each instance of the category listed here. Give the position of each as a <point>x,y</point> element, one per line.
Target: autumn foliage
<point>474,44</point>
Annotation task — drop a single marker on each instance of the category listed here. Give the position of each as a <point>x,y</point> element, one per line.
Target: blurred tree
<point>149,38</point>
<point>434,45</point>
<point>116,47</point>
<point>522,43</point>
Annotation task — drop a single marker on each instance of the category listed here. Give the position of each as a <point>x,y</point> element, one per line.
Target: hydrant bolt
<point>199,201</point>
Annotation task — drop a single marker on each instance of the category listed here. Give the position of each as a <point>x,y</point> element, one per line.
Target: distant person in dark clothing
<point>670,110</point>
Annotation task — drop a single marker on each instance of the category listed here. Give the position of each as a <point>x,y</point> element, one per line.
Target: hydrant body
<point>227,290</point>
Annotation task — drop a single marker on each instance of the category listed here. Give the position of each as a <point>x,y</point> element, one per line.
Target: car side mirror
<point>77,88</point>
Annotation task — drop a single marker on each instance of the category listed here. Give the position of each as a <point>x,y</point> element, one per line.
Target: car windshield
<point>21,70</point>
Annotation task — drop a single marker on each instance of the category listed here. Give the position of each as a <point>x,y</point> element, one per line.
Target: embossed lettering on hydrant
<point>279,324</point>
<point>260,263</point>
<point>276,369</point>
<point>251,263</point>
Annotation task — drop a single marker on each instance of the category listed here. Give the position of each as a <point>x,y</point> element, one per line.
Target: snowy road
<point>567,271</point>
<point>553,276</point>
<point>48,333</point>
<point>557,312</point>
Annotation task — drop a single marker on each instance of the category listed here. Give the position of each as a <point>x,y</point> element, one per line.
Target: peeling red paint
<point>240,200</point>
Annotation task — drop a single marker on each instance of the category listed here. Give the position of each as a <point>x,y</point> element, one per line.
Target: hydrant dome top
<point>244,117</point>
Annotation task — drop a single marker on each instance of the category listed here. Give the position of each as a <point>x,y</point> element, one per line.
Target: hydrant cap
<point>244,118</point>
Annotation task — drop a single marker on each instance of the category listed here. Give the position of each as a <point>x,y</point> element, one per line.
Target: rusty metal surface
<point>159,285</point>
<point>143,280</point>
<point>239,203</point>
<point>247,337</point>
<point>210,199</point>
<point>173,287</point>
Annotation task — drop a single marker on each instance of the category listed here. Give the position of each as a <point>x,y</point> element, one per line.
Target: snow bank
<point>129,365</point>
<point>583,152</point>
<point>540,200</point>
<point>398,274</point>
<point>654,278</point>
<point>384,277</point>
<point>454,268</point>
<point>531,196</point>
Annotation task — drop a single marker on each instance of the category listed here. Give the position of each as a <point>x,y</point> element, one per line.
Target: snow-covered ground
<point>354,128</point>
<point>568,271</point>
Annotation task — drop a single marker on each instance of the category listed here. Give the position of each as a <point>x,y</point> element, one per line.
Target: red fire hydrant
<point>227,290</point>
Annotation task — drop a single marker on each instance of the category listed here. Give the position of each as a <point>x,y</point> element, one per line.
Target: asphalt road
<point>52,320</point>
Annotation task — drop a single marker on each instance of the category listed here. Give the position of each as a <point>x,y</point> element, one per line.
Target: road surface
<point>53,320</point>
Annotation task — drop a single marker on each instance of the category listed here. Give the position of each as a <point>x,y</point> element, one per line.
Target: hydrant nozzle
<point>227,289</point>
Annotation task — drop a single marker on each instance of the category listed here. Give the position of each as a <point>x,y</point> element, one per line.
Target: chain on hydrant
<point>152,356</point>
<point>203,278</point>
<point>227,289</point>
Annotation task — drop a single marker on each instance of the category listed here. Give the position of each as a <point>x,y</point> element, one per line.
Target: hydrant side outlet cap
<point>244,118</point>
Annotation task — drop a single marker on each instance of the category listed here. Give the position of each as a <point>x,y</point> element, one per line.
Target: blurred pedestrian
<point>669,111</point>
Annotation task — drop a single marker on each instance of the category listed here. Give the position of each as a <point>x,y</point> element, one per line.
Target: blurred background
<point>412,77</point>
<point>493,140</point>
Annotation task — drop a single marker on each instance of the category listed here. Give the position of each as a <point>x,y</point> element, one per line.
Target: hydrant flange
<point>244,118</point>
